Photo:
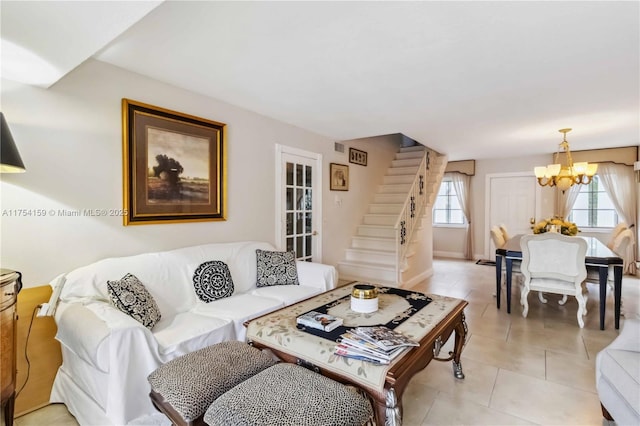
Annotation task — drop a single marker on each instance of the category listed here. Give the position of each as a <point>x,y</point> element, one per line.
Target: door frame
<point>487,203</point>
<point>280,217</point>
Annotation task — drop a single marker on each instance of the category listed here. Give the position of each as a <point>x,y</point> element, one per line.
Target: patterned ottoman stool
<point>184,387</point>
<point>289,395</point>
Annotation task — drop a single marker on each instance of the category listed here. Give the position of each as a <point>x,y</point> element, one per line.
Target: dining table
<point>598,256</point>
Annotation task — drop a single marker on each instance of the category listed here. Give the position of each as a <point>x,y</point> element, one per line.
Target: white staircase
<point>381,248</point>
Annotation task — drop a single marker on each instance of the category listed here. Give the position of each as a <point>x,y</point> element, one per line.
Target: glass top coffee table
<point>431,326</point>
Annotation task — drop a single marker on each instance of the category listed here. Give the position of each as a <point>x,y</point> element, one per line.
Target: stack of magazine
<point>378,344</point>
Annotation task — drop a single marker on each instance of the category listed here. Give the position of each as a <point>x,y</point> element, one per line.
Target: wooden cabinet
<point>10,285</point>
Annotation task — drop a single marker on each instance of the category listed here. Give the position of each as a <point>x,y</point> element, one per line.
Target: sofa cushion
<point>212,281</point>
<point>288,294</point>
<point>276,268</point>
<point>130,296</point>
<point>188,331</point>
<point>238,309</point>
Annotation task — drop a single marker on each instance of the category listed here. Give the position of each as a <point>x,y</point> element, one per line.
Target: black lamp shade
<point>9,156</point>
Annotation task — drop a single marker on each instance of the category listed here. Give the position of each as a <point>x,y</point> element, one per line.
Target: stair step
<point>412,148</point>
<point>380,219</point>
<point>408,170</point>
<point>366,271</point>
<point>393,179</point>
<point>402,188</point>
<point>385,208</point>
<point>375,243</point>
<point>378,257</point>
<point>406,163</point>
<point>409,154</point>
<point>389,198</point>
<point>376,231</point>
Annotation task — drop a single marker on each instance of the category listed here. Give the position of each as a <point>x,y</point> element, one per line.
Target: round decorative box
<point>364,298</point>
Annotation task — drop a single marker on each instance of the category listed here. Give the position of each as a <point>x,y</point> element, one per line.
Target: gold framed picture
<point>174,166</point>
<point>339,177</point>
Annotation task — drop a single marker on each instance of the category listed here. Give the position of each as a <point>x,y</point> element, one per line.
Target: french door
<point>299,202</point>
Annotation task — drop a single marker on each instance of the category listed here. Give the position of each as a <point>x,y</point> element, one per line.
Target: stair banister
<point>411,213</point>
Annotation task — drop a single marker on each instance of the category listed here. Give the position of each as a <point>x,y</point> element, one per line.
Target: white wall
<point>70,138</point>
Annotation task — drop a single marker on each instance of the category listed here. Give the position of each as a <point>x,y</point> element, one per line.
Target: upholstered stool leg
<point>183,388</point>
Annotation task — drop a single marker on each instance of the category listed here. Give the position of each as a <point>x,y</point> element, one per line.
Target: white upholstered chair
<point>499,236</point>
<point>505,233</point>
<point>554,263</point>
<point>621,246</point>
<point>614,234</point>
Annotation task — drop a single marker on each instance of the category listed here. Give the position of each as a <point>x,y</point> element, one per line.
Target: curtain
<point>618,181</point>
<point>462,185</point>
<point>566,201</point>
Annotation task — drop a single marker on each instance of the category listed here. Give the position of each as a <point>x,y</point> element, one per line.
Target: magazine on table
<point>384,337</point>
<point>355,342</point>
<point>354,350</point>
<point>319,321</point>
<point>354,355</point>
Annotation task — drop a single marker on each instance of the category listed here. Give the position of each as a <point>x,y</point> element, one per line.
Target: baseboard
<point>422,276</point>
<point>457,255</point>
<point>449,254</point>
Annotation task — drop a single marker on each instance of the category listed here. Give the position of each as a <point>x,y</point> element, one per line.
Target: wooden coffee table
<point>431,326</point>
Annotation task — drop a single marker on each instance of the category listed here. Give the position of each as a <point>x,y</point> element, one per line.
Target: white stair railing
<point>411,213</point>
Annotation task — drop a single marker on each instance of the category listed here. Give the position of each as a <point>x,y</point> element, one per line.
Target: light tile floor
<point>519,371</point>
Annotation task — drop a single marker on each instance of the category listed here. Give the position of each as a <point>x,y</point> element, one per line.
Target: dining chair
<point>554,263</point>
<point>622,226</point>
<point>498,238</point>
<point>620,246</point>
<point>505,233</point>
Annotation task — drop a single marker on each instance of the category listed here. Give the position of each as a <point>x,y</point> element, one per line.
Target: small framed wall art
<point>339,175</point>
<point>174,166</point>
<point>357,157</point>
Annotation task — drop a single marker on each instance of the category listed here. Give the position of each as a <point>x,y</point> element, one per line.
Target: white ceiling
<point>471,79</point>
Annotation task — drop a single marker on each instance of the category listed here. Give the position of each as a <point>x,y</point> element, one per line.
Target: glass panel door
<point>299,210</point>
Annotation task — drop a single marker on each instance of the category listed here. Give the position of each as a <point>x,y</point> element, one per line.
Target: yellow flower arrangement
<point>564,226</point>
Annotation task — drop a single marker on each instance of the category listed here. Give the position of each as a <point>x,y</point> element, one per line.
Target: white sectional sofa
<point>107,354</point>
<point>618,375</point>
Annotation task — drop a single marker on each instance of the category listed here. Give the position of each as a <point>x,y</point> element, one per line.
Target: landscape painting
<point>174,166</point>
<point>178,170</point>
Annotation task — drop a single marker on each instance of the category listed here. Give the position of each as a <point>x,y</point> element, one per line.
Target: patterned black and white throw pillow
<point>130,296</point>
<point>212,281</point>
<point>276,268</point>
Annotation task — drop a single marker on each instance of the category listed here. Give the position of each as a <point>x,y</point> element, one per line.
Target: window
<point>593,207</point>
<point>446,210</point>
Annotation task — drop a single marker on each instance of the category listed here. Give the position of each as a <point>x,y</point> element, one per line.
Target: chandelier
<point>565,175</point>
